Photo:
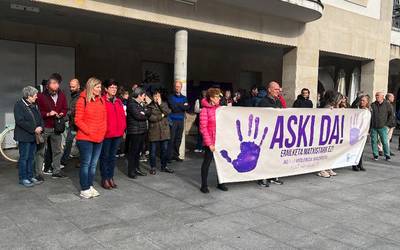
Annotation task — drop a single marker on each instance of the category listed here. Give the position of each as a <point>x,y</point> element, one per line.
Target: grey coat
<point>158,122</point>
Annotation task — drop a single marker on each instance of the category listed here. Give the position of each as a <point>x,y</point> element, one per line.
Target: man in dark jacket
<point>136,121</point>
<point>391,124</point>
<point>271,101</point>
<point>52,104</point>
<point>75,89</point>
<point>179,105</point>
<point>303,100</point>
<point>382,114</point>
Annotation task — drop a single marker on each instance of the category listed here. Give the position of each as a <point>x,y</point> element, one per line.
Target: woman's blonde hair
<point>91,83</point>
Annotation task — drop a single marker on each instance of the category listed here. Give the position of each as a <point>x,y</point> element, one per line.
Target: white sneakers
<point>89,193</point>
<point>94,191</point>
<point>327,173</point>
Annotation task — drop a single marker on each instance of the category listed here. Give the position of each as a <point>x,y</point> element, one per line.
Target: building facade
<point>235,43</point>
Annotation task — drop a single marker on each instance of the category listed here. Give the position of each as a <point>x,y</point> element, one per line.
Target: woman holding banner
<point>332,99</point>
<point>208,130</point>
<point>363,104</point>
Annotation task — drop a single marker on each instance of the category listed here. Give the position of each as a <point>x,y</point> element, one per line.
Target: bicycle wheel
<point>8,146</point>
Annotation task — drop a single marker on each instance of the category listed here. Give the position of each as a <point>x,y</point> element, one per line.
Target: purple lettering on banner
<point>278,134</point>
<point>302,131</point>
<point>312,131</point>
<point>324,129</point>
<point>290,143</point>
<point>341,130</point>
<point>335,131</point>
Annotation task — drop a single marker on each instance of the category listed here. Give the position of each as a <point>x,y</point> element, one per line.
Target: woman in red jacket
<point>91,120</point>
<point>208,131</point>
<point>116,124</point>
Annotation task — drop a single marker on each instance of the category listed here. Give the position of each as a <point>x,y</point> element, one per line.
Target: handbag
<point>59,125</point>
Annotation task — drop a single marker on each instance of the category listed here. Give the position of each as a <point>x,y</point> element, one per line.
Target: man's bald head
<point>273,89</point>
<point>74,85</point>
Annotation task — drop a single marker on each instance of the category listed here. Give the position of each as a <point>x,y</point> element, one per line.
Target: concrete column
<point>374,77</point>
<point>300,70</point>
<point>180,71</point>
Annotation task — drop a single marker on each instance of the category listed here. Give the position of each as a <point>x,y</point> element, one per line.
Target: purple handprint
<point>355,129</point>
<point>249,151</point>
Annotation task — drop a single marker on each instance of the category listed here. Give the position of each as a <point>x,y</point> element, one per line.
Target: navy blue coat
<point>26,122</point>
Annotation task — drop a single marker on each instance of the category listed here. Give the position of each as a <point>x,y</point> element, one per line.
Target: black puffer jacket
<point>136,118</point>
<point>302,102</point>
<point>382,115</point>
<point>270,102</point>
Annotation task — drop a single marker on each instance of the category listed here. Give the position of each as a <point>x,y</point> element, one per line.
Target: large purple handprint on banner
<point>247,159</point>
<point>355,129</point>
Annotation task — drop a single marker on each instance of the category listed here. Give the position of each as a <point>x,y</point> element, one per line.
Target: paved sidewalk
<point>355,210</point>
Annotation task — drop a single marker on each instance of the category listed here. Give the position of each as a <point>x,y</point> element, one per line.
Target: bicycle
<point>9,147</point>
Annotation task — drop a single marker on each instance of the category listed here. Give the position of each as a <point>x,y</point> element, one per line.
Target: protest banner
<point>262,143</point>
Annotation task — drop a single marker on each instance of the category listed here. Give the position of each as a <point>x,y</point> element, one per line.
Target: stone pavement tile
<point>276,211</point>
<point>204,245</point>
<point>310,221</point>
<point>73,239</point>
<point>318,242</point>
<point>394,236</point>
<point>200,200</point>
<point>220,208</point>
<point>350,193</point>
<point>246,239</point>
<point>155,222</point>
<point>176,236</point>
<point>323,199</point>
<point>6,223</point>
<point>216,226</point>
<point>348,236</point>
<point>382,244</point>
<point>63,197</point>
<point>186,215</point>
<point>12,238</point>
<point>247,219</point>
<point>131,211</point>
<point>136,241</point>
<point>91,219</point>
<point>112,233</point>
<point>281,231</point>
<point>33,215</point>
<point>46,227</point>
<point>371,225</point>
<point>299,205</point>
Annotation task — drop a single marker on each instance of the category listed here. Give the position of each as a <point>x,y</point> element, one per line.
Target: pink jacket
<point>208,123</point>
<point>116,118</point>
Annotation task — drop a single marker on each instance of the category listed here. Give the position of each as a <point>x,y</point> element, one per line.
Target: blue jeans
<point>27,152</point>
<point>68,145</point>
<point>107,157</point>
<point>163,153</point>
<point>89,155</point>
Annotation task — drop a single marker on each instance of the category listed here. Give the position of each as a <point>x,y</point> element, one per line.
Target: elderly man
<point>382,115</point>
<point>272,100</point>
<point>179,105</point>
<point>75,90</point>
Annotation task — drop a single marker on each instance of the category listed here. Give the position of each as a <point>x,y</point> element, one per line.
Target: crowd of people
<point>107,121</point>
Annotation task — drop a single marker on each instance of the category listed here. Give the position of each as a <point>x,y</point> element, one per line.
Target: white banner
<point>262,143</point>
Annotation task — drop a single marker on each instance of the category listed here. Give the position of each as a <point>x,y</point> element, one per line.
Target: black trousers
<point>135,147</point>
<point>48,156</point>
<point>205,166</point>
<point>176,139</point>
<point>360,163</point>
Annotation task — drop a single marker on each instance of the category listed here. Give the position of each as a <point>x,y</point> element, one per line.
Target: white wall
<point>373,8</point>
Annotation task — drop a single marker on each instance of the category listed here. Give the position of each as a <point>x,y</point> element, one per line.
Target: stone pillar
<point>374,77</point>
<point>180,71</point>
<point>300,70</point>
